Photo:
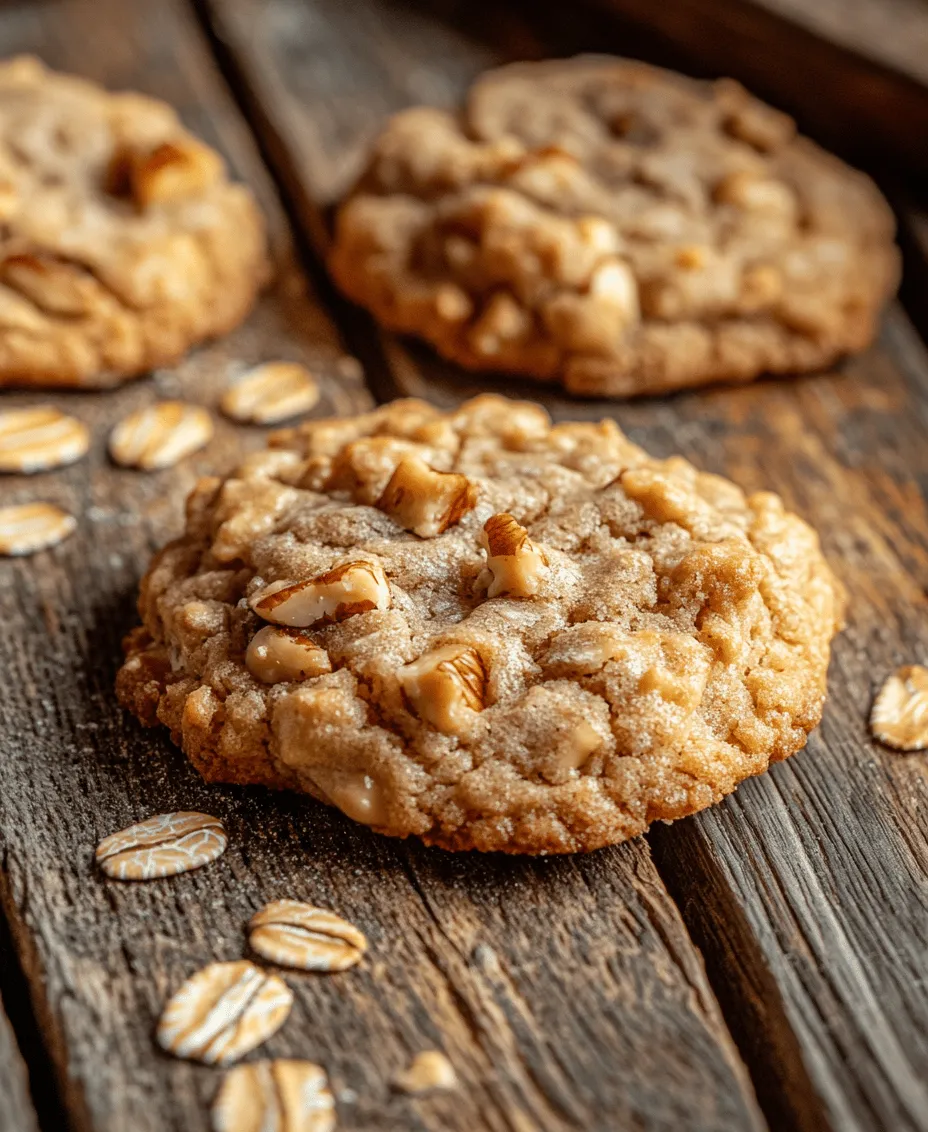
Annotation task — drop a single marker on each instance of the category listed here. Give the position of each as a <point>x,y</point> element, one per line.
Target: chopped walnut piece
<point>171,172</point>
<point>752,193</point>
<point>516,424</point>
<point>277,654</point>
<point>52,283</point>
<point>446,687</point>
<point>363,468</point>
<point>515,562</point>
<point>424,501</point>
<point>595,319</point>
<point>354,587</point>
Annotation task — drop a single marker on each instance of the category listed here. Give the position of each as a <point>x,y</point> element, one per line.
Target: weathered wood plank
<point>809,888</point>
<point>16,1111</point>
<point>567,993</point>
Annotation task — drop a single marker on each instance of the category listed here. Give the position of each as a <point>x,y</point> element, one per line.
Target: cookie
<point>483,629</point>
<point>122,242</point>
<point>616,228</point>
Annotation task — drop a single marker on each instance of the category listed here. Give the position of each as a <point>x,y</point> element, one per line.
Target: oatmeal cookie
<point>483,629</point>
<point>122,241</point>
<point>616,228</point>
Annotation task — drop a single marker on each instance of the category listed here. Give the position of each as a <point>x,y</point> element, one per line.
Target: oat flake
<point>900,712</point>
<point>160,435</point>
<point>427,1071</point>
<point>40,438</point>
<point>222,1012</point>
<point>299,935</point>
<point>271,393</point>
<point>29,527</point>
<point>275,1096</point>
<point>162,846</point>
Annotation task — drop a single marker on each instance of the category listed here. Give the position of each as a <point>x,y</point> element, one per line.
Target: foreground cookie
<point>617,228</point>
<point>482,629</point>
<point>122,242</point>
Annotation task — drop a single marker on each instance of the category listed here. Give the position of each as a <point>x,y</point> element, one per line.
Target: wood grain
<point>16,1111</point>
<point>808,890</point>
<point>566,992</point>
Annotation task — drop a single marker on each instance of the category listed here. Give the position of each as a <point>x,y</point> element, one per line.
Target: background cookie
<point>484,630</point>
<point>122,242</point>
<point>618,228</point>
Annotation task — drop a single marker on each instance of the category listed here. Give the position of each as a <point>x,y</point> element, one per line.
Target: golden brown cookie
<point>616,228</point>
<point>122,241</point>
<point>579,639</point>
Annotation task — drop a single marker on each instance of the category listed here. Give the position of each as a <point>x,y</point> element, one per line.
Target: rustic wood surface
<point>16,1111</point>
<point>808,890</point>
<point>567,992</point>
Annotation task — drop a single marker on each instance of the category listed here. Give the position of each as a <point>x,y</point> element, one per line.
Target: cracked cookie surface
<point>122,242</point>
<point>582,640</point>
<point>617,228</point>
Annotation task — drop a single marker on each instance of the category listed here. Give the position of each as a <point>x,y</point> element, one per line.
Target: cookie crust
<point>616,228</point>
<point>122,242</point>
<point>654,636</point>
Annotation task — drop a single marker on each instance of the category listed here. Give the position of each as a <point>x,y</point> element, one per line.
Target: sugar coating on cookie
<point>584,639</point>
<point>122,241</point>
<point>618,228</point>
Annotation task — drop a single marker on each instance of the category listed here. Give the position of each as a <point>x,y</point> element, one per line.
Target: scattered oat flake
<point>162,846</point>
<point>900,712</point>
<point>160,435</point>
<point>29,527</point>
<point>275,1096</point>
<point>427,1071</point>
<point>39,439</point>
<point>223,1012</point>
<point>299,935</point>
<point>270,393</point>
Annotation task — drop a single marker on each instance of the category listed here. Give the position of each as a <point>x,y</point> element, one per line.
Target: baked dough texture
<point>582,639</point>
<point>616,228</point>
<point>122,242</point>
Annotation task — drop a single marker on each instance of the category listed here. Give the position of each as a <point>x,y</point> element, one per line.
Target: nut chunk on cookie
<point>595,641</point>
<point>514,562</point>
<point>617,228</point>
<point>354,587</point>
<point>424,501</point>
<point>122,241</point>
<point>446,687</point>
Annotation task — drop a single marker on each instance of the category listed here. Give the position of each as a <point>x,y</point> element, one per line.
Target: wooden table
<point>761,965</point>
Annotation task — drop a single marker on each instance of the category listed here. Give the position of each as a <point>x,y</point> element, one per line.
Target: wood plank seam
<point>308,225</point>
<point>41,1097</point>
<point>745,988</point>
